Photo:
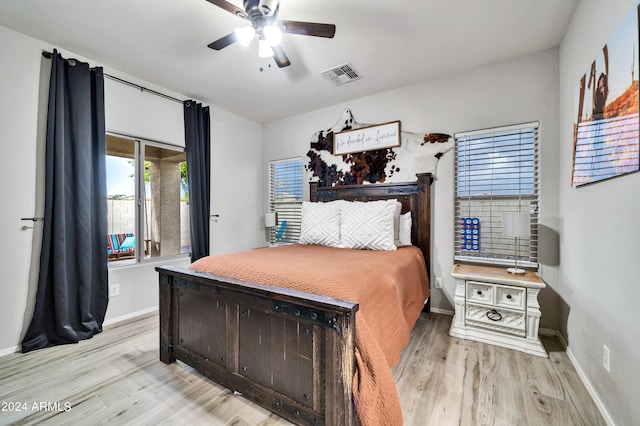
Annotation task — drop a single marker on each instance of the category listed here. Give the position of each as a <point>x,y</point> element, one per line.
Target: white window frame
<point>486,185</point>
<point>286,210</point>
<point>139,148</point>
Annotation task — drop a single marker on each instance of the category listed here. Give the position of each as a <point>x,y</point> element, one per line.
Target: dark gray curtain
<point>198,150</point>
<point>72,294</point>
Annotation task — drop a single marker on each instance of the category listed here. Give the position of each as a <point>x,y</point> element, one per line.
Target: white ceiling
<point>391,43</point>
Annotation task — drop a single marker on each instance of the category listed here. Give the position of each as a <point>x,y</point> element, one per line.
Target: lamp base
<point>516,271</point>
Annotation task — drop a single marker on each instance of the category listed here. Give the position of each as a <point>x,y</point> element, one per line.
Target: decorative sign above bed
<point>367,138</point>
<point>414,153</point>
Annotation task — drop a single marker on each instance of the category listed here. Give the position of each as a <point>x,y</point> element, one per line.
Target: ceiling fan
<point>263,16</point>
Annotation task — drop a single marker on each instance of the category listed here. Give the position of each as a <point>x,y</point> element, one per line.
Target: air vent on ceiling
<point>341,74</point>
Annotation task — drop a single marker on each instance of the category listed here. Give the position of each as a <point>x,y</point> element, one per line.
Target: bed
<point>290,350</point>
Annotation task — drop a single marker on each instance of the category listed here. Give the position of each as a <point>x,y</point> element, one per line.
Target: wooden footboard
<point>290,352</point>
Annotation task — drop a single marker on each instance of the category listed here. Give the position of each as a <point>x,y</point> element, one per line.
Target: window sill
<point>147,261</point>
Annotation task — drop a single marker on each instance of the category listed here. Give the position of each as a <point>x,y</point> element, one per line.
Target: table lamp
<point>516,225</point>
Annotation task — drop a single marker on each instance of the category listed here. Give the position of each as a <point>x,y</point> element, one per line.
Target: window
<point>140,170</point>
<point>285,199</point>
<point>496,171</point>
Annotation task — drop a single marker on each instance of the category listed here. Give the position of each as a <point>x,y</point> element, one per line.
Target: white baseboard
<point>8,351</point>
<point>585,381</point>
<point>563,342</point>
<point>551,332</point>
<point>590,389</point>
<point>442,311</point>
<point>124,319</point>
<point>114,322</point>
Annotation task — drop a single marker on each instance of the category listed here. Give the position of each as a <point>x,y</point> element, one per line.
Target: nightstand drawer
<point>480,292</point>
<point>496,319</point>
<point>510,297</point>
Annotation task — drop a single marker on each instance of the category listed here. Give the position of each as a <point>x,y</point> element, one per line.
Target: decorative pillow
<point>320,223</point>
<point>405,229</point>
<point>368,225</point>
<point>128,243</point>
<point>396,223</point>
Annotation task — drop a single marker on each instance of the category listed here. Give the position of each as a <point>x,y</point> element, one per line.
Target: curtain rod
<point>49,55</point>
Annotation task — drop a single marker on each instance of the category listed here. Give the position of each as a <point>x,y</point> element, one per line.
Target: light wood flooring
<point>116,379</point>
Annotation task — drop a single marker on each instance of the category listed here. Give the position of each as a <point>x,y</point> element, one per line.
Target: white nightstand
<point>496,307</point>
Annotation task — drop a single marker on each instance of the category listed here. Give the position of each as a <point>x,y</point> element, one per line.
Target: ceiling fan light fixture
<point>267,28</point>
<point>264,49</point>
<point>273,35</point>
<point>245,35</point>
<point>268,7</point>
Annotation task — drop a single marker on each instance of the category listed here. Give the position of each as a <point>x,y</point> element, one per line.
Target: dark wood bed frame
<point>288,351</point>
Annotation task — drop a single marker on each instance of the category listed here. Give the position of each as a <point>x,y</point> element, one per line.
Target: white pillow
<point>368,225</point>
<point>396,224</point>
<point>320,223</point>
<point>405,229</point>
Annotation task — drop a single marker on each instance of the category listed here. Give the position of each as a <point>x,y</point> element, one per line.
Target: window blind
<point>285,199</point>
<point>496,171</point>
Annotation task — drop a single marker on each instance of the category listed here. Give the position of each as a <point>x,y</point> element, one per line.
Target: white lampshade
<point>245,35</point>
<point>516,225</point>
<point>270,220</point>
<point>273,35</point>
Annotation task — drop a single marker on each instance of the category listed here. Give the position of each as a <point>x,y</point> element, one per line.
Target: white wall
<point>237,168</point>
<point>237,176</point>
<point>598,279</point>
<point>18,121</point>
<point>133,112</point>
<point>516,91</point>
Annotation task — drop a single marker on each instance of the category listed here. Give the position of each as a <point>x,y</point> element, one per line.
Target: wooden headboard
<point>414,196</point>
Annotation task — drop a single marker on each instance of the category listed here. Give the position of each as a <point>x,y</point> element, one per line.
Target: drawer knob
<point>508,296</point>
<point>494,315</point>
<point>480,292</point>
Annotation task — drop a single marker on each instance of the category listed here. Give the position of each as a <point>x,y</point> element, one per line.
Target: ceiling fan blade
<point>280,57</point>
<point>231,8</point>
<point>224,41</point>
<point>309,28</point>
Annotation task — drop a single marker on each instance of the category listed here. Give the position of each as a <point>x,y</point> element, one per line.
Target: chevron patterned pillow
<point>320,223</point>
<point>368,225</point>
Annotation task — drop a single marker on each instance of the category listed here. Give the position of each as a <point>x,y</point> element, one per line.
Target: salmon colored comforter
<point>390,286</point>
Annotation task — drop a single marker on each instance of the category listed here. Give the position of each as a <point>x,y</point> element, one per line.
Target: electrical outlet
<point>438,282</point>
<point>606,358</point>
<point>114,290</point>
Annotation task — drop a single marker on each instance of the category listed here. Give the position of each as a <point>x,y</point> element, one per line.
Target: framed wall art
<point>606,137</point>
